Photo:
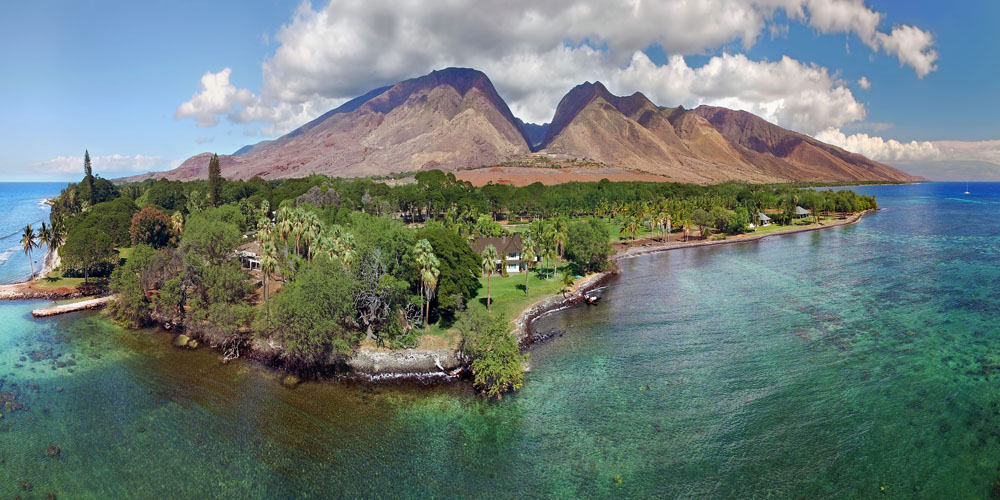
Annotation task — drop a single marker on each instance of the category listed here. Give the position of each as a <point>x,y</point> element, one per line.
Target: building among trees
<point>511,251</point>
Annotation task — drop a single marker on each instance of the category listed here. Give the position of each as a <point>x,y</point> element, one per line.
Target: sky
<point>145,85</point>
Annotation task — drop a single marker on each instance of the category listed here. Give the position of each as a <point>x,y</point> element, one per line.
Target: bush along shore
<point>431,279</point>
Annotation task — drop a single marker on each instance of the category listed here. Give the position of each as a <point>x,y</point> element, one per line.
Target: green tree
<point>87,249</point>
<point>459,266</point>
<point>489,263</point>
<point>630,226</point>
<point>113,218</point>
<point>587,246</point>
<point>703,220</point>
<point>131,308</point>
<point>209,236</point>
<point>28,243</point>
<point>497,364</point>
<point>214,181</point>
<point>311,314</point>
<point>88,178</point>
<point>45,236</point>
<point>429,270</point>
<point>528,254</point>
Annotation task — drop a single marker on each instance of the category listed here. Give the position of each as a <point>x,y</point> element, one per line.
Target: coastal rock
<point>404,362</point>
<point>182,340</point>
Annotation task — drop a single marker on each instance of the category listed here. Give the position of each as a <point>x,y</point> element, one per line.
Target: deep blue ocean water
<point>854,362</point>
<point>21,203</point>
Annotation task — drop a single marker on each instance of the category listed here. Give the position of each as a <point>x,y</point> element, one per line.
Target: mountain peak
<point>585,93</point>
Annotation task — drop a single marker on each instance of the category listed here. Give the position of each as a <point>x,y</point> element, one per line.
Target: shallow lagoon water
<point>853,362</point>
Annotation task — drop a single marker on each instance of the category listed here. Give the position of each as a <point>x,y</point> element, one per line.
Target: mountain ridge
<point>454,119</point>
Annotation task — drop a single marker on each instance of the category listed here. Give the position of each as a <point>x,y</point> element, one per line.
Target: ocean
<point>854,362</point>
<point>22,203</point>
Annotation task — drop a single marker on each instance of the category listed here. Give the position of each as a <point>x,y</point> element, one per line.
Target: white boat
<point>966,187</point>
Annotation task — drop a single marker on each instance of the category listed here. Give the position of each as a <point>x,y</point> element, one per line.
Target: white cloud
<point>536,51</point>
<point>795,95</point>
<point>103,165</point>
<point>203,140</point>
<point>988,151</point>
<point>217,96</point>
<point>913,46</point>
<point>879,149</point>
<point>864,83</point>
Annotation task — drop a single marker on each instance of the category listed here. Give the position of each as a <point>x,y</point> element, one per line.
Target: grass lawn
<point>508,299</point>
<point>774,228</point>
<point>55,280</point>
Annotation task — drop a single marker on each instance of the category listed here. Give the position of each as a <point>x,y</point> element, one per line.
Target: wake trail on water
<point>15,233</point>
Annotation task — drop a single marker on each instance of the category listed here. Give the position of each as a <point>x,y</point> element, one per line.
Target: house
<point>764,220</point>
<point>509,248</point>
<point>801,212</point>
<point>249,255</point>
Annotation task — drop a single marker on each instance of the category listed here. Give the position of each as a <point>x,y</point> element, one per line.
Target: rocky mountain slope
<point>454,118</point>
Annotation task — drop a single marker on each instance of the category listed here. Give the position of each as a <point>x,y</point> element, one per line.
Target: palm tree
<point>560,233</point>
<point>45,236</point>
<point>429,269</point>
<point>630,225</point>
<point>268,263</point>
<point>28,243</point>
<point>284,224</point>
<point>490,257</point>
<point>528,254</point>
<point>429,275</point>
<point>57,235</point>
<point>298,228</point>
<point>346,249</point>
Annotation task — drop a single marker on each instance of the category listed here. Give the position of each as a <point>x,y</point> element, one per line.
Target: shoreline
<point>423,366</point>
<point>524,321</point>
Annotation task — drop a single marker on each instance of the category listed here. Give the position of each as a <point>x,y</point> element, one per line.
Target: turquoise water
<point>21,204</point>
<point>855,362</point>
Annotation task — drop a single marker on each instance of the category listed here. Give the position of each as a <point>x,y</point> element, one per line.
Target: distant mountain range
<point>454,118</point>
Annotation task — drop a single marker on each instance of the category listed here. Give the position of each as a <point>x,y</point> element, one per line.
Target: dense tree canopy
<point>458,265</point>
<point>497,364</point>
<point>152,227</point>
<point>310,318</point>
<point>587,246</point>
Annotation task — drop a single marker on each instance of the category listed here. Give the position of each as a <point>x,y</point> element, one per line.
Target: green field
<point>508,299</point>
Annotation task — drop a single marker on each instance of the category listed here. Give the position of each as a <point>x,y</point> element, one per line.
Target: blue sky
<point>110,76</point>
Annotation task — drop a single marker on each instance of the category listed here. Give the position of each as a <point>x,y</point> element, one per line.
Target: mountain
<point>454,118</point>
<point>707,144</point>
<point>447,119</point>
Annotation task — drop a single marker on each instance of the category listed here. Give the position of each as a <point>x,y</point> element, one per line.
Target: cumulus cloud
<point>792,94</point>
<point>107,165</point>
<point>217,96</point>
<point>536,51</point>
<point>864,83</point>
<point>913,47</point>
<point>879,149</point>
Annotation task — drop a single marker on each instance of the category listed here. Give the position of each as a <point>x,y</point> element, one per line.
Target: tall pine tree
<point>88,177</point>
<point>87,171</point>
<point>214,181</point>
